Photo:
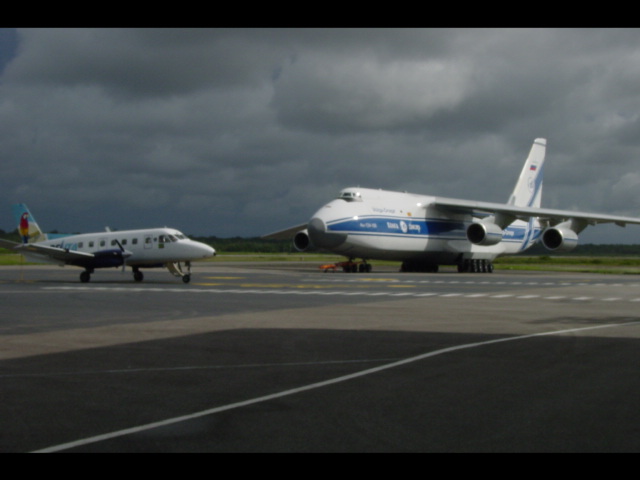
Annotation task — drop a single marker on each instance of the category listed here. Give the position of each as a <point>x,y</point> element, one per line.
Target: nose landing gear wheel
<point>364,267</point>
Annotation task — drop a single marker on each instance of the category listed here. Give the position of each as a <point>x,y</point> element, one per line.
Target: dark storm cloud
<point>243,131</point>
<point>141,63</point>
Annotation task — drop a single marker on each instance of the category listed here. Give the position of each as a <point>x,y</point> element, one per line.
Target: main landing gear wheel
<point>475,266</point>
<point>137,275</point>
<point>85,276</point>
<point>186,278</point>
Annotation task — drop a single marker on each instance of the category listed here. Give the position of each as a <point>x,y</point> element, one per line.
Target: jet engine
<point>559,239</point>
<point>301,241</point>
<point>484,233</point>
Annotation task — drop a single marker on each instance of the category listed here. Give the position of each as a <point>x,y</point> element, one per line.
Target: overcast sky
<point>243,132</point>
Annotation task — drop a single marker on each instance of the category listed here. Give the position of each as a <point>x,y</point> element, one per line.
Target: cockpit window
<point>350,196</point>
<point>166,238</point>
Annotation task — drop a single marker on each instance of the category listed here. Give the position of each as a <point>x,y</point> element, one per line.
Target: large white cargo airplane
<point>148,248</point>
<point>426,231</point>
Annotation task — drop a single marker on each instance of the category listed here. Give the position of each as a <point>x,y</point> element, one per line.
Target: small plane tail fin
<point>528,190</point>
<point>27,227</point>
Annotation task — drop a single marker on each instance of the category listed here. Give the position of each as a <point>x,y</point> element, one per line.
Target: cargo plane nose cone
<point>321,237</point>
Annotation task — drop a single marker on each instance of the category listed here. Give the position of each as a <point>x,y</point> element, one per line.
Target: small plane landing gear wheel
<point>85,277</point>
<point>137,275</point>
<point>186,278</point>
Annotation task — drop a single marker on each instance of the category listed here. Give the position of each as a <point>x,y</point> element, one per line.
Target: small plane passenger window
<point>114,243</point>
<point>91,244</point>
<point>124,241</point>
<point>102,242</point>
<point>147,240</point>
<point>134,241</point>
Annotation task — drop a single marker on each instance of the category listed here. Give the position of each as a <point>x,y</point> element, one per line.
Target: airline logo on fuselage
<point>404,227</point>
<point>65,246</point>
<point>384,210</point>
<point>401,225</point>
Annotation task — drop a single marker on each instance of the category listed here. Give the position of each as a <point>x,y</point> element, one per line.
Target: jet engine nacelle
<point>484,233</point>
<point>301,241</point>
<point>559,239</point>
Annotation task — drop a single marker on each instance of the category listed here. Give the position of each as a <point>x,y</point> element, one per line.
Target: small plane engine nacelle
<point>301,241</point>
<point>559,239</point>
<point>109,258</point>
<point>484,233</point>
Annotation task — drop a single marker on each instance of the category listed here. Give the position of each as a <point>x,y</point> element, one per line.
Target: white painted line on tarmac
<point>313,386</point>
<point>344,293</point>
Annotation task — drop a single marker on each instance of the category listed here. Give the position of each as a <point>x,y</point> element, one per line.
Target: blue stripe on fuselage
<point>531,235</point>
<point>396,225</point>
<point>424,228</point>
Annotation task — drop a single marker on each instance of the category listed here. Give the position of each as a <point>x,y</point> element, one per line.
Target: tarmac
<point>284,358</point>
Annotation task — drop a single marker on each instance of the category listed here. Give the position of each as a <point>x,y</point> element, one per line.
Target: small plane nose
<point>321,237</point>
<point>206,251</point>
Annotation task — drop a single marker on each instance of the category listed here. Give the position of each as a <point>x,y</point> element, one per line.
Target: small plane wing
<point>525,213</point>
<point>8,244</point>
<point>54,253</point>
<point>285,234</point>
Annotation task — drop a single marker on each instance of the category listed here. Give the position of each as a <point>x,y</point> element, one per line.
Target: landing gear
<point>137,274</point>
<point>468,265</point>
<point>85,276</point>
<point>364,267</point>
<point>475,266</point>
<point>186,277</point>
<point>176,271</point>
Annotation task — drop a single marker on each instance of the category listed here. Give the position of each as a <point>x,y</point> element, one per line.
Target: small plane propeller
<point>125,255</point>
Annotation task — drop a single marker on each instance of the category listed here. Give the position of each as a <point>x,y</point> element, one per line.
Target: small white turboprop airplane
<point>427,231</point>
<point>148,248</point>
